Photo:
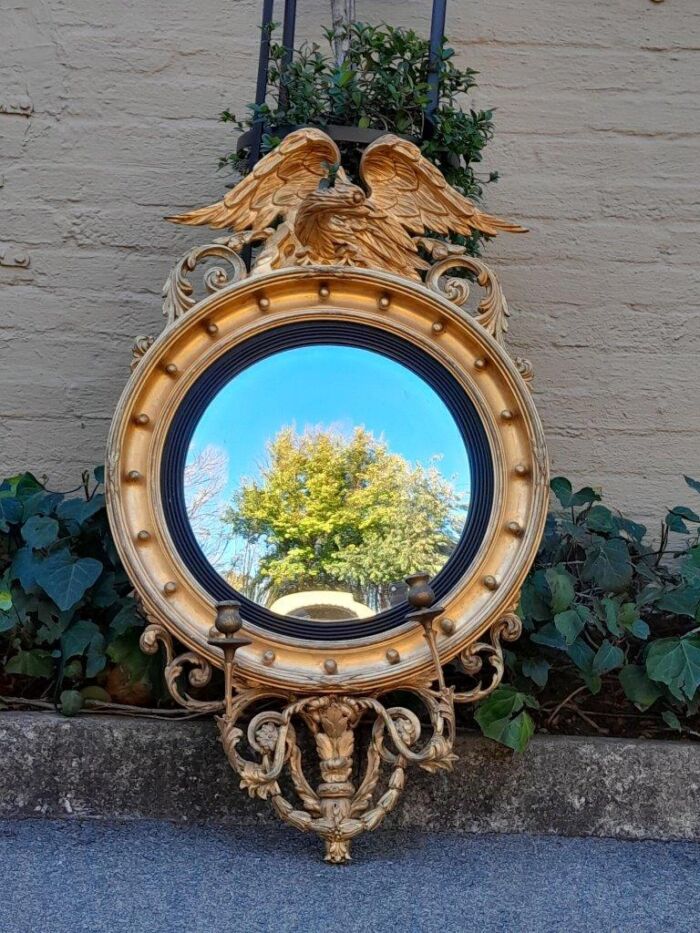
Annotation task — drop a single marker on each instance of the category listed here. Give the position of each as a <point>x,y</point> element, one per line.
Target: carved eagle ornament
<point>380,225</point>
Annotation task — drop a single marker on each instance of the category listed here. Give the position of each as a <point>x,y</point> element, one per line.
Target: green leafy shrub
<point>381,84</point>
<point>66,609</point>
<point>611,638</point>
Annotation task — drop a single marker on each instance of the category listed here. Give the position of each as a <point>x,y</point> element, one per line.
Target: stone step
<point>113,767</point>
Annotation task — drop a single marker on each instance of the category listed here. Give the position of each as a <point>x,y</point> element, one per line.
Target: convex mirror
<point>320,477</point>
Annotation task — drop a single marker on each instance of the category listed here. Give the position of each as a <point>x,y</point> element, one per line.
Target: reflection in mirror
<point>320,477</point>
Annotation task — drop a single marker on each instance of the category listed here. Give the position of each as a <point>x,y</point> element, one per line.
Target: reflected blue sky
<point>330,386</point>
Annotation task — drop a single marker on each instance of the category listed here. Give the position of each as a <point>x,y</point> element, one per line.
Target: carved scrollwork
<point>141,346</point>
<point>525,369</point>
<point>178,291</point>
<point>492,310</point>
<point>508,628</point>
<point>112,466</point>
<point>336,810</point>
<point>199,674</point>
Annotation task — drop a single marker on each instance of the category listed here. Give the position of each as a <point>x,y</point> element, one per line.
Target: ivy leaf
<point>21,486</point>
<point>600,519</point>
<point>34,663</point>
<point>610,608</point>
<point>53,625</point>
<point>688,514</point>
<point>585,496</point>
<point>84,636</point>
<point>640,629</point>
<point>534,598</point>
<point>40,503</point>
<point>569,624</point>
<point>627,615</point>
<point>40,531</point>
<point>693,483</point>
<point>10,512</point>
<point>76,639</point>
<point>582,655</point>
<point>24,566</point>
<point>550,637</point>
<point>65,579</point>
<point>671,720</point>
<point>561,587</point>
<point>676,662</point>
<point>5,593</point>
<point>126,618</point>
<point>608,565</point>
<point>639,688</point>
<point>677,517</point>
<point>676,523</point>
<point>80,510</point>
<point>104,594</point>
<point>635,531</point>
<point>607,658</point>
<point>684,600</point>
<point>502,717</point>
<point>561,487</point>
<point>93,692</point>
<point>690,565</point>
<point>126,651</point>
<point>537,669</point>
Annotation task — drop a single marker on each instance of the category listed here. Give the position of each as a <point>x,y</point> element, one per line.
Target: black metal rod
<point>261,84</point>
<point>288,30</point>
<point>437,34</point>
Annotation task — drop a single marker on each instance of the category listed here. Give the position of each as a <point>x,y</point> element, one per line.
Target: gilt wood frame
<point>489,590</point>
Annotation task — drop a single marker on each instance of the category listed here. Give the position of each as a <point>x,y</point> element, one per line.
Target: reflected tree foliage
<point>331,511</point>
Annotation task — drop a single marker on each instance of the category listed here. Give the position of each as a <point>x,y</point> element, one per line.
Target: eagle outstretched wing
<point>275,188</point>
<point>414,193</point>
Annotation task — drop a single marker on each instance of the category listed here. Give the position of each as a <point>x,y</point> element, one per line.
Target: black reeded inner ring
<point>314,333</point>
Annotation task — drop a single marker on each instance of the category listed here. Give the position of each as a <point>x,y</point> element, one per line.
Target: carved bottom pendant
<point>336,810</point>
<point>349,799</point>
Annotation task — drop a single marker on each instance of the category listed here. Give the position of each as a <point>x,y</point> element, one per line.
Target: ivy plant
<point>66,606</point>
<point>611,627</point>
<point>381,83</point>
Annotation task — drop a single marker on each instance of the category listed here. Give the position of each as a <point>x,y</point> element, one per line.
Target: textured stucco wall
<point>598,144</point>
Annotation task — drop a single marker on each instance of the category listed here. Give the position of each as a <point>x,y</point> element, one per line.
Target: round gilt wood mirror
<point>328,477</point>
<point>450,442</point>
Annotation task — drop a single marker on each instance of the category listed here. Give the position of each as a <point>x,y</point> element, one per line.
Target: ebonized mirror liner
<point>308,333</point>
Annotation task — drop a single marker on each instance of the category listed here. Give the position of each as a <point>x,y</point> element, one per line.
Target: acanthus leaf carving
<point>178,291</point>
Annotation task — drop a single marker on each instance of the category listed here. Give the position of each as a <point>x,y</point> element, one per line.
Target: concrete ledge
<point>100,767</point>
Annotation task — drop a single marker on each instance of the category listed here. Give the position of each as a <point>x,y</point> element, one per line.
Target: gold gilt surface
<point>166,369</point>
<point>378,226</point>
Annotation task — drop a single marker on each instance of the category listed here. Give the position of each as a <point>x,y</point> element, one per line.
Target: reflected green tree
<point>336,512</point>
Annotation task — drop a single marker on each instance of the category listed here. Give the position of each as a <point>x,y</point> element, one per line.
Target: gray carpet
<point>69,877</point>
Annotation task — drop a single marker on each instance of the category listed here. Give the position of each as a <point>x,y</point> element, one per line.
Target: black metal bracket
<point>252,139</point>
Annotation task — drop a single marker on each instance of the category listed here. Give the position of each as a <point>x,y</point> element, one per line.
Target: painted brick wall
<point>108,120</point>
